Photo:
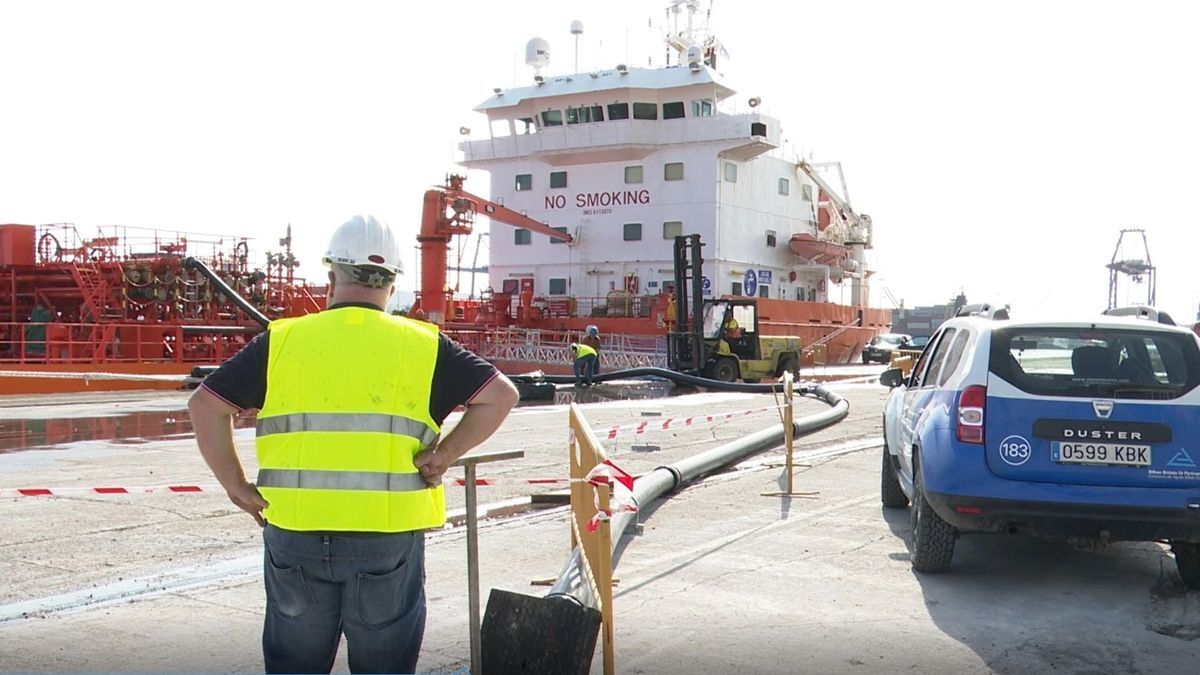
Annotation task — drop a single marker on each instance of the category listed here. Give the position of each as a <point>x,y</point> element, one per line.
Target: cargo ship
<point>592,176</point>
<point>121,310</point>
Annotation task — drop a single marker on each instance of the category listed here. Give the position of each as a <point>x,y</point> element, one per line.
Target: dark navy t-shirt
<point>458,375</point>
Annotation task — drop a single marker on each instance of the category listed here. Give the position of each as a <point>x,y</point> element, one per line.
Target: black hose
<point>228,292</point>
<point>678,378</point>
<point>664,479</point>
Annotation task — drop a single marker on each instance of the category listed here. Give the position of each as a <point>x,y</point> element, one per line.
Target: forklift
<point>719,338</point>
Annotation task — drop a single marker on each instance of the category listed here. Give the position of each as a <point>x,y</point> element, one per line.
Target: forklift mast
<point>685,345</point>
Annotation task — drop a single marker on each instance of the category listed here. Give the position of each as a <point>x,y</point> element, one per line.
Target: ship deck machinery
<point>75,311</point>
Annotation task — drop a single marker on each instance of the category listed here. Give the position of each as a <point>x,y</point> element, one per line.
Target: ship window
<point>558,179</point>
<point>764,291</point>
<point>672,229</point>
<point>758,129</point>
<point>552,118</point>
<point>633,174</point>
<point>736,289</point>
<point>524,182</point>
<point>771,238</point>
<point>521,236</point>
<point>558,241</point>
<point>784,186</point>
<point>587,113</point>
<point>806,192</point>
<point>645,111</point>
<point>730,172</point>
<point>500,128</point>
<point>558,286</point>
<point>702,108</point>
<point>633,231</point>
<point>530,127</point>
<point>673,110</point>
<point>673,171</point>
<point>618,111</point>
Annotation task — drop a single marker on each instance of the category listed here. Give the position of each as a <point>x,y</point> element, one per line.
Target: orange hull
<point>14,381</point>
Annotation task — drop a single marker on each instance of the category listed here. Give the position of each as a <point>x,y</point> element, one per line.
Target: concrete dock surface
<point>719,578</point>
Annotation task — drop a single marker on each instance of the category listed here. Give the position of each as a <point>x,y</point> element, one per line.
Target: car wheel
<point>889,485</point>
<point>725,370</point>
<point>865,359</point>
<point>1187,560</point>
<point>932,537</point>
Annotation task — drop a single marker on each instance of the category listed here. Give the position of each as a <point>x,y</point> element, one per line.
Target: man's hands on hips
<point>246,497</point>
<point>433,464</point>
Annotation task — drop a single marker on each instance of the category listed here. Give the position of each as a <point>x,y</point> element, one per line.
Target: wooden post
<point>468,462</point>
<point>788,441</point>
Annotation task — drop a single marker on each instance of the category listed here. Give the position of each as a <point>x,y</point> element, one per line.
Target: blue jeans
<point>585,368</point>
<point>371,587</point>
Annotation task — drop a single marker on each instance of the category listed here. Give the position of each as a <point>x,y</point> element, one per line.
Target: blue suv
<point>1084,429</point>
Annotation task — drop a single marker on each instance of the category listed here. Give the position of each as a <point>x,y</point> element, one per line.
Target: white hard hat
<point>364,241</point>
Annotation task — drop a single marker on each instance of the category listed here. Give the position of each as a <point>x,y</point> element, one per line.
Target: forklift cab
<point>733,325</point>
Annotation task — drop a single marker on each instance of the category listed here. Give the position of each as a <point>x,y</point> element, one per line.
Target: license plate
<point>1100,453</point>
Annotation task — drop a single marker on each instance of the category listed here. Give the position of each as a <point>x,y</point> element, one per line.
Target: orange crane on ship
<point>449,210</point>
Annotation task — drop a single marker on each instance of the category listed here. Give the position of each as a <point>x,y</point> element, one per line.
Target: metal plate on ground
<point>524,634</point>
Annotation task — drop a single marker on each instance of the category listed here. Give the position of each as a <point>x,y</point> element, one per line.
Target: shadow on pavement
<point>1027,605</point>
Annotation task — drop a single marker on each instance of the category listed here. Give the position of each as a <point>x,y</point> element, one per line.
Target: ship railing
<point>598,135</point>
<point>63,242</point>
<point>536,346</point>
<point>116,343</point>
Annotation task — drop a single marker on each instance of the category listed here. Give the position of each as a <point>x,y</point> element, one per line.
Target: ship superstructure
<point>626,159</point>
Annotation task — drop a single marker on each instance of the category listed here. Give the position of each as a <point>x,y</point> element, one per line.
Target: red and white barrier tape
<point>184,489</point>
<point>141,489</point>
<point>672,422</point>
<point>621,481</point>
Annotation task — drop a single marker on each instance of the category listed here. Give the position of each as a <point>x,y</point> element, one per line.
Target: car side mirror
<point>892,377</point>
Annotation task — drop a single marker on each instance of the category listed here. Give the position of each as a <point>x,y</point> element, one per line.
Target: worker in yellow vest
<point>585,357</point>
<point>350,452</point>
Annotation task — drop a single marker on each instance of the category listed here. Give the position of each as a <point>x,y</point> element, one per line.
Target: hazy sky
<point>998,146</point>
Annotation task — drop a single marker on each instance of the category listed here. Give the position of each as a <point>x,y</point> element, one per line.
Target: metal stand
<point>468,462</point>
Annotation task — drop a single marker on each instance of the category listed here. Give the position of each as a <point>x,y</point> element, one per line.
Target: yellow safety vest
<point>582,350</point>
<point>346,411</point>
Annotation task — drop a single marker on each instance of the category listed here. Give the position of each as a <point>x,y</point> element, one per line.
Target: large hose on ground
<point>677,377</point>
<point>250,310</point>
<point>570,585</point>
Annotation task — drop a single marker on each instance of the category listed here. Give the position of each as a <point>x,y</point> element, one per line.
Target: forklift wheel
<point>725,370</point>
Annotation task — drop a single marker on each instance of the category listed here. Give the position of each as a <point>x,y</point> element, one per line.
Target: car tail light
<point>970,414</point>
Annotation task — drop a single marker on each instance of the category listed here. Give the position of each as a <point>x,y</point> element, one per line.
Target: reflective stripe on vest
<point>357,422</point>
<point>346,412</point>
<point>305,479</point>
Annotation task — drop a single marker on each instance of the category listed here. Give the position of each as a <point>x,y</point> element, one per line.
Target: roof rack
<point>984,310</point>
<point>1142,312</point>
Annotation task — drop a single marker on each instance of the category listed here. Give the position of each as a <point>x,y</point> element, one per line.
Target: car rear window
<point>1096,362</point>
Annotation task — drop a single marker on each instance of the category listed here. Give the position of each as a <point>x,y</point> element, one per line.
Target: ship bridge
<point>615,115</point>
